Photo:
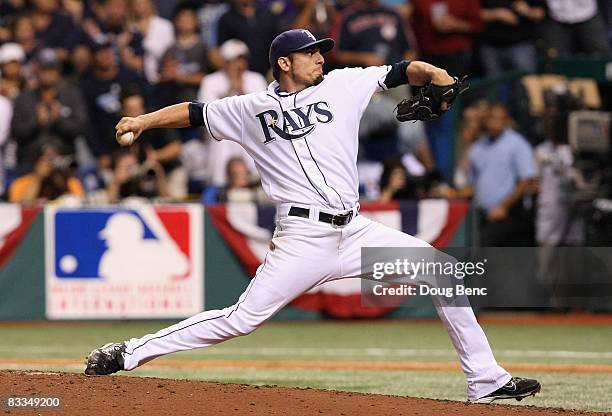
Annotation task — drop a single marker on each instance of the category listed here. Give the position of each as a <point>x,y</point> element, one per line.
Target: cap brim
<point>324,45</point>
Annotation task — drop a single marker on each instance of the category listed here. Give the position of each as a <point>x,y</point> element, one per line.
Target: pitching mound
<point>119,395</point>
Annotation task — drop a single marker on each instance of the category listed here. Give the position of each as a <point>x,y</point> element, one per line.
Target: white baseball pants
<point>307,253</point>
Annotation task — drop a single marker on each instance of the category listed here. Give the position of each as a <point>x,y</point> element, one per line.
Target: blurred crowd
<point>70,69</point>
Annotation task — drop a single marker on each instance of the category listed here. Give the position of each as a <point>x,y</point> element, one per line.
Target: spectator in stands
<point>6,114</point>
<point>157,34</point>
<point>396,183</point>
<point>76,9</point>
<point>157,147</point>
<point>413,140</point>
<point>501,170</point>
<point>81,14</point>
<point>109,26</point>
<point>53,110</point>
<point>470,130</point>
<point>51,178</point>
<point>12,6</point>
<point>370,34</point>
<point>404,8</point>
<point>254,25</point>
<point>444,31</point>
<point>233,79</point>
<point>381,136</point>
<point>132,179</point>
<point>9,9</point>
<point>508,41</point>
<point>25,35</point>
<point>209,14</point>
<point>12,82</point>
<point>379,129</point>
<point>186,61</point>
<point>575,27</point>
<point>314,15</point>
<point>54,28</point>
<point>102,88</point>
<point>240,184</point>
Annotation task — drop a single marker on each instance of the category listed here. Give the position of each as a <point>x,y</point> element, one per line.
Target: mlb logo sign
<point>145,262</point>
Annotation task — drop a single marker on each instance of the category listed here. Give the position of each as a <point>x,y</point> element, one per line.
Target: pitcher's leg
<point>301,256</point>
<point>258,303</point>
<point>483,373</point>
<point>276,284</point>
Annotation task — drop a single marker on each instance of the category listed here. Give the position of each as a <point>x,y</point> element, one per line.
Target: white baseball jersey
<point>304,144</point>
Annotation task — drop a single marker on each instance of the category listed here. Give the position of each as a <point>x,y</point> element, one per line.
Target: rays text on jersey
<point>297,122</point>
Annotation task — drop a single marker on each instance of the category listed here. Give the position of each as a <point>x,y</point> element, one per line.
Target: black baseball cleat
<point>517,388</point>
<point>107,359</point>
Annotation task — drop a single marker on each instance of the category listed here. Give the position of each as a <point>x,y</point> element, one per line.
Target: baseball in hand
<point>125,139</point>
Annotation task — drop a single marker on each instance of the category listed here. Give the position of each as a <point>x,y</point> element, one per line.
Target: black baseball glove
<point>427,104</point>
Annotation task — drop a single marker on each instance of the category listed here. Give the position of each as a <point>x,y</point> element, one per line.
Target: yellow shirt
<point>19,186</point>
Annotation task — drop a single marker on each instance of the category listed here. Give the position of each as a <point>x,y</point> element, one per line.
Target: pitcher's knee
<point>242,330</point>
<point>243,324</point>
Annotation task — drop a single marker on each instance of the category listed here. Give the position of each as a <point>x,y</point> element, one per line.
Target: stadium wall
<point>23,285</point>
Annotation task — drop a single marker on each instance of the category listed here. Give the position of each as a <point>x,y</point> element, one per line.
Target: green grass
<point>355,341</point>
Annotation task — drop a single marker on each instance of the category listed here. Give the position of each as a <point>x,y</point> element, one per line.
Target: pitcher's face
<point>306,67</point>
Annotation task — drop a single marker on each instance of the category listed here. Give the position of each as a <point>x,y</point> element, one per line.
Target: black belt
<point>338,219</point>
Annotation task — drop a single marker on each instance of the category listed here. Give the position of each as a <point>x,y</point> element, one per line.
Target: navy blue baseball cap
<point>296,40</point>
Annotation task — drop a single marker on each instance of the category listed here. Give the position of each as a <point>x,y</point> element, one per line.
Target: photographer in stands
<point>51,178</point>
<point>132,179</point>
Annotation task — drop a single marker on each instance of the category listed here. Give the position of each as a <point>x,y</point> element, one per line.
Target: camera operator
<point>557,222</point>
<point>132,179</point>
<point>51,178</point>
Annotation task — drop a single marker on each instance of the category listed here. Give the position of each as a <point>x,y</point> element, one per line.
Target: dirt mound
<point>119,395</point>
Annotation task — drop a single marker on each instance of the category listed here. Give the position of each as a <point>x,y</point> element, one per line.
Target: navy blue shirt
<point>61,33</point>
<point>104,107</point>
<point>258,33</point>
<point>377,29</point>
<point>500,34</point>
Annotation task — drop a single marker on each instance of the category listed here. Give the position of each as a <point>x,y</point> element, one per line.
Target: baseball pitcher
<point>302,134</point>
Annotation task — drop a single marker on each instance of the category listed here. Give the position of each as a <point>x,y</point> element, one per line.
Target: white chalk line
<point>346,352</point>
